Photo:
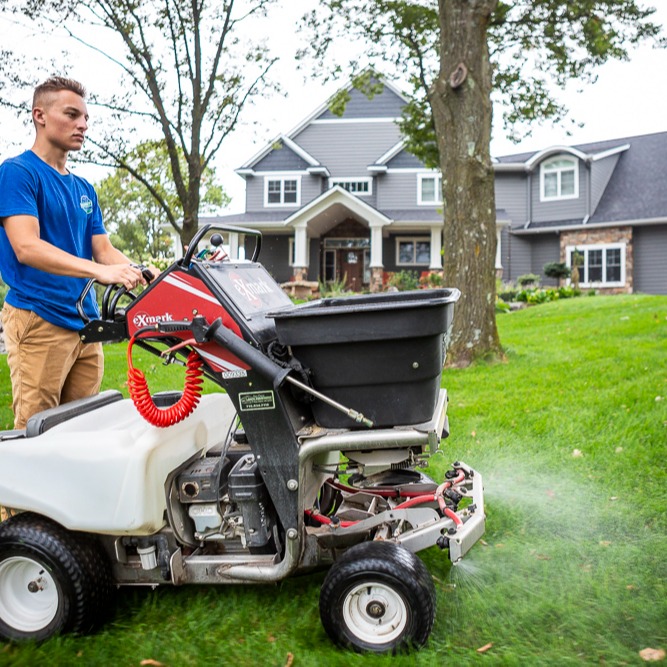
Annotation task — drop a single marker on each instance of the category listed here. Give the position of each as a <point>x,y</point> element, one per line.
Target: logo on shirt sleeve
<point>86,204</point>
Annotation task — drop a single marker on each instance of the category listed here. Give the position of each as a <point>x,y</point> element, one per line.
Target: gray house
<point>340,198</point>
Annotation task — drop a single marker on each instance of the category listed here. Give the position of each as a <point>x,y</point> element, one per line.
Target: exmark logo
<point>250,289</point>
<point>145,320</point>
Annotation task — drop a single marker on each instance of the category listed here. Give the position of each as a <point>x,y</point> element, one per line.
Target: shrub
<point>502,306</point>
<point>558,270</point>
<point>334,288</point>
<point>508,294</point>
<point>404,280</point>
<point>528,279</point>
<point>431,279</point>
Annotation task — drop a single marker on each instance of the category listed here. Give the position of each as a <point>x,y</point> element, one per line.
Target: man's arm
<point>111,266</point>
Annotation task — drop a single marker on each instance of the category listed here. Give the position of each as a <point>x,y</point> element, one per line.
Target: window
<point>559,178</point>
<point>357,186</point>
<point>602,265</point>
<point>413,251</point>
<point>284,191</point>
<point>429,189</point>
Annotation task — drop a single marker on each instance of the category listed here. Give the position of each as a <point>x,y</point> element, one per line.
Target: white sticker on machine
<point>257,400</point>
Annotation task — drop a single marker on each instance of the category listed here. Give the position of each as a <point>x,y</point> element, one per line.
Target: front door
<point>352,269</point>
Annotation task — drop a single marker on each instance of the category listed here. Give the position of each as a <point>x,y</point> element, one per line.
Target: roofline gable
<point>247,168</point>
<point>242,170</point>
<point>338,195</point>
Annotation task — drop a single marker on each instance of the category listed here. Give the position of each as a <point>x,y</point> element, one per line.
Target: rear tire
<point>378,597</point>
<point>51,580</point>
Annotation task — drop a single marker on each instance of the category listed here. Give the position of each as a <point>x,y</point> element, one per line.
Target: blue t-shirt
<point>69,215</point>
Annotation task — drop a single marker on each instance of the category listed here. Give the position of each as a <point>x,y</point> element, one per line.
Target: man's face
<point>62,119</point>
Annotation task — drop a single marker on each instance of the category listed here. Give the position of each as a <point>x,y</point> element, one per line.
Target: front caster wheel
<point>378,597</point>
<point>51,580</point>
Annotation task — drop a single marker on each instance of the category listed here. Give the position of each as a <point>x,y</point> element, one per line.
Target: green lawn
<point>571,437</point>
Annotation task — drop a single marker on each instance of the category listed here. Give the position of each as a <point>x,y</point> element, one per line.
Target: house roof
<point>322,112</point>
<point>635,193</point>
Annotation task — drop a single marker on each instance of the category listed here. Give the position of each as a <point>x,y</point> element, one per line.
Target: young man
<point>52,240</point>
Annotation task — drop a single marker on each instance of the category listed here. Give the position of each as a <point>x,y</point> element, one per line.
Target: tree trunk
<point>461,104</point>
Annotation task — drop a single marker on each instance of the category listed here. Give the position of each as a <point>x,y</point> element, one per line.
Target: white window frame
<point>431,175</point>
<point>282,178</point>
<point>573,165</point>
<point>414,240</point>
<point>343,181</point>
<point>583,270</point>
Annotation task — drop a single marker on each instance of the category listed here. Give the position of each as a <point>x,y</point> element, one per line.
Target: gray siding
<point>516,256</point>
<point>650,259</point>
<point>545,248</point>
<point>405,160</point>
<point>566,209</point>
<point>397,190</point>
<point>346,149</point>
<point>281,158</point>
<point>385,105</point>
<point>311,187</point>
<point>511,196</point>
<point>275,256</point>
<point>601,172</point>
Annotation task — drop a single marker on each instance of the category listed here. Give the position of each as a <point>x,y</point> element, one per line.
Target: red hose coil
<point>143,401</point>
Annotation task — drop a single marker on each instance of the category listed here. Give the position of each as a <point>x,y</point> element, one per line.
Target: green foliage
<point>431,279</point>
<point>502,306</point>
<point>508,294</point>
<point>135,215</point>
<point>334,288</point>
<point>536,296</point>
<point>558,270</point>
<point>528,279</point>
<point>404,280</point>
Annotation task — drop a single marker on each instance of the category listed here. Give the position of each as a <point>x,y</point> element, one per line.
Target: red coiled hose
<point>143,401</point>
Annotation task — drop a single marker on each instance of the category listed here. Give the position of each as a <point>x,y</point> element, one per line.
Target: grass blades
<point>570,436</point>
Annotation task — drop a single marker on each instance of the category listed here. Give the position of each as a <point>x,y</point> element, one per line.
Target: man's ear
<point>38,116</point>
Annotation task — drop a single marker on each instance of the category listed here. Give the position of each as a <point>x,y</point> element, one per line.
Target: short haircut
<point>55,84</point>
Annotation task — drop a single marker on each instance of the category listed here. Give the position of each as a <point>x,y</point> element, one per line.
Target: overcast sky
<point>627,99</point>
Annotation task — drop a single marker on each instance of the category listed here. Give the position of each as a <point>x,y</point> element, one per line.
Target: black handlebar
<point>112,295</point>
<point>192,247</point>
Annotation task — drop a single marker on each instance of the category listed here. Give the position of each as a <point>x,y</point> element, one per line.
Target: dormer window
<point>357,186</point>
<point>559,178</point>
<point>282,191</point>
<point>429,189</point>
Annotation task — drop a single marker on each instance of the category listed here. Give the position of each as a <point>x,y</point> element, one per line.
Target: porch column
<point>233,245</point>
<point>300,268</point>
<point>376,265</point>
<point>436,248</point>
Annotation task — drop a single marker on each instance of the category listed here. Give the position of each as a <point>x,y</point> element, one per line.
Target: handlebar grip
<point>173,327</point>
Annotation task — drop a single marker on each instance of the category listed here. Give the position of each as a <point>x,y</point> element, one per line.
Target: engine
<point>226,499</point>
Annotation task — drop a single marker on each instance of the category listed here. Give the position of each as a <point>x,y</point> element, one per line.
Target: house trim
<point>556,229</point>
<point>338,195</point>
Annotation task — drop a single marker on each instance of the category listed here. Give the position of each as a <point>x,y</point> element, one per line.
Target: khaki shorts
<point>48,365</point>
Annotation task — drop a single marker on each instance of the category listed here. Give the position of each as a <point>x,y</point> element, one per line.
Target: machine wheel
<point>51,580</point>
<point>378,597</point>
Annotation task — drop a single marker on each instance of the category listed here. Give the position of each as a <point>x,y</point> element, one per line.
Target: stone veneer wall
<point>603,236</point>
